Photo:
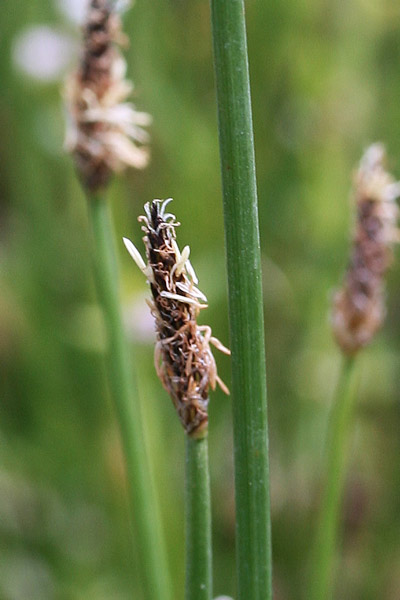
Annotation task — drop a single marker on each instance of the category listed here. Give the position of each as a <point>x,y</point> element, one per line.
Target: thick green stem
<point>144,507</point>
<point>338,440</point>
<point>249,394</point>
<point>198,521</point>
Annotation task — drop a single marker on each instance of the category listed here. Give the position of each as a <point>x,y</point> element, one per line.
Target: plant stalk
<point>249,391</point>
<point>198,584</point>
<point>123,390</point>
<point>338,442</point>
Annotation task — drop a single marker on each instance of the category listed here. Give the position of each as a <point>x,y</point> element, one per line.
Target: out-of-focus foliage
<point>325,83</point>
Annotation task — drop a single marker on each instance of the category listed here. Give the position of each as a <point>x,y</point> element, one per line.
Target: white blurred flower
<point>44,53</point>
<point>74,10</point>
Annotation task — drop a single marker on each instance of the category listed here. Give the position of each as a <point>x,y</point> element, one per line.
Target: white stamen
<point>149,273</point>
<point>180,298</point>
<point>163,207</point>
<point>134,252</point>
<point>147,210</point>
<point>191,272</point>
<point>222,385</point>
<point>137,257</point>
<point>176,250</point>
<point>199,294</point>
<point>180,265</point>
<point>207,332</point>
<point>185,253</point>
<point>208,338</point>
<point>191,290</point>
<point>215,341</point>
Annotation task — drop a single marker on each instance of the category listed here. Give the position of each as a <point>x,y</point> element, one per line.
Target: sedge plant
<point>105,134</point>
<point>249,392</point>
<point>185,364</point>
<point>358,313</point>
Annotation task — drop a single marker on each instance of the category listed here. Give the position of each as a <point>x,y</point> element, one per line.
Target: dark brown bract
<point>183,357</point>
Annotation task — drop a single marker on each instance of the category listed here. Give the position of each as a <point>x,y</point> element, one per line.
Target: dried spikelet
<point>183,358</point>
<point>359,307</point>
<point>105,134</point>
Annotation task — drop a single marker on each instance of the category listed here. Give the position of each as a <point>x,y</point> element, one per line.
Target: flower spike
<point>359,306</point>
<point>105,133</point>
<point>183,358</point>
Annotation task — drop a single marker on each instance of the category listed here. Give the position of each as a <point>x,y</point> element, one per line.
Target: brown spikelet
<point>100,30</point>
<point>359,306</point>
<point>183,357</point>
<point>104,132</point>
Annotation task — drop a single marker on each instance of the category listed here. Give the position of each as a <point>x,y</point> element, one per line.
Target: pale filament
<point>137,257</point>
<point>180,298</point>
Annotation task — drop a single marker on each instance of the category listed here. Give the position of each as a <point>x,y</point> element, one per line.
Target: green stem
<point>123,390</point>
<point>198,521</point>
<point>249,393</point>
<point>338,441</point>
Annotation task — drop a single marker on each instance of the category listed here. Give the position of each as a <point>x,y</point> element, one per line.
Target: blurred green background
<point>325,84</point>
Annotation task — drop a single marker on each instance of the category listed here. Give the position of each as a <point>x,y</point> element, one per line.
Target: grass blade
<point>249,394</point>
<point>146,523</point>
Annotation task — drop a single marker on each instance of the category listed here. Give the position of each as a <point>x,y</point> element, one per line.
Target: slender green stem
<point>198,521</point>
<point>123,390</point>
<point>338,440</point>
<point>249,393</point>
